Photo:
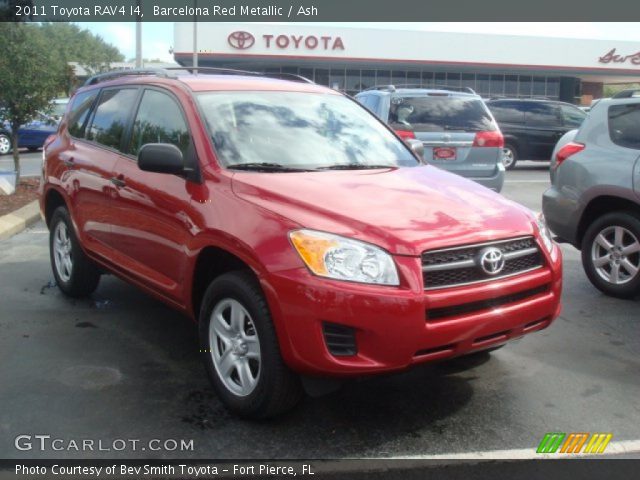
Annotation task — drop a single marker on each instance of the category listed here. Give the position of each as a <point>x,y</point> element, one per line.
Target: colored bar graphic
<point>550,442</point>
<point>573,442</point>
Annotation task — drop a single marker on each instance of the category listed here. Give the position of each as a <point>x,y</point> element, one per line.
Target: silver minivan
<point>457,129</point>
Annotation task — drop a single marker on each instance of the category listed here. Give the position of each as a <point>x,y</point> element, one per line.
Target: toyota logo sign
<point>491,260</point>
<point>241,40</point>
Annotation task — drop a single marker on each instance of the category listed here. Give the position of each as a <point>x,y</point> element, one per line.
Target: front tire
<point>75,274</point>
<point>611,254</point>
<point>509,157</point>
<point>240,349</point>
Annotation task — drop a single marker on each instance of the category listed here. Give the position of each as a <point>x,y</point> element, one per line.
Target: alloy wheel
<point>235,347</point>
<point>508,157</point>
<point>62,252</point>
<point>615,254</point>
<point>5,144</point>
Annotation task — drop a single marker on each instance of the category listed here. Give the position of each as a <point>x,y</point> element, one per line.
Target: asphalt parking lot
<point>123,366</point>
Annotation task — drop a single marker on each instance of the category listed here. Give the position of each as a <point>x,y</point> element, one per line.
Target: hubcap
<point>507,157</point>
<point>5,144</point>
<point>62,251</point>
<point>615,254</point>
<point>235,348</point>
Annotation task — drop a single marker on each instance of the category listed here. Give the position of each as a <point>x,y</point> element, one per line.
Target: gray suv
<point>594,200</point>
<point>457,129</point>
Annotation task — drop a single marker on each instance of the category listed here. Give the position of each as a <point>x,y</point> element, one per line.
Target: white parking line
<point>614,448</point>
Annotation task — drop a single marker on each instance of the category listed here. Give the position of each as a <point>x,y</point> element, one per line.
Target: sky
<point>157,38</point>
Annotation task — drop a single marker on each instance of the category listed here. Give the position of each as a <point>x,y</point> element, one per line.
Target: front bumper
<point>392,327</point>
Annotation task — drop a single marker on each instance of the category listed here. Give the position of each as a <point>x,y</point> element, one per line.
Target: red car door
<point>90,159</point>
<point>152,211</point>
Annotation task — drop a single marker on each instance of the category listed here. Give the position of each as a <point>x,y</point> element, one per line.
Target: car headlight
<point>545,234</point>
<point>340,258</point>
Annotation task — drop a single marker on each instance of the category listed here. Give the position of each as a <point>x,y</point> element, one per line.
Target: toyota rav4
<point>304,237</point>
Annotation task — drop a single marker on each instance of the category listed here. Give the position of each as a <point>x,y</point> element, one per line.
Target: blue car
<point>33,134</point>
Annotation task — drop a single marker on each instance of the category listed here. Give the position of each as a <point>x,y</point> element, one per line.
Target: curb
<point>17,221</point>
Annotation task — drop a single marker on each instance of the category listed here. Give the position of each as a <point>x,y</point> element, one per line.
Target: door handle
<point>118,182</point>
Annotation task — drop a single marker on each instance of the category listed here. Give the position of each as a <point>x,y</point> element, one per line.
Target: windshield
<point>439,113</point>
<point>298,131</point>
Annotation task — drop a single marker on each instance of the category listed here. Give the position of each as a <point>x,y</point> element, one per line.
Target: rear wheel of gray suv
<point>240,349</point>
<point>509,157</point>
<point>611,254</point>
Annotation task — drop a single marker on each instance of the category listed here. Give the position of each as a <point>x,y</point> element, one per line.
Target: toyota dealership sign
<point>242,40</point>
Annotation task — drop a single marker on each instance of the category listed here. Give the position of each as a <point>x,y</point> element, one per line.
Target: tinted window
<point>439,113</point>
<point>572,116</point>
<point>159,120</point>
<point>299,130</point>
<point>79,113</point>
<point>507,112</point>
<point>624,125</point>
<point>542,115</point>
<point>110,119</point>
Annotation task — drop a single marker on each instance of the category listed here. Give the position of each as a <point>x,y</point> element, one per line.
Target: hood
<point>403,210</point>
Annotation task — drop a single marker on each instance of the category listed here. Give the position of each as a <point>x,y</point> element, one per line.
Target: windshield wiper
<point>266,167</point>
<point>354,166</point>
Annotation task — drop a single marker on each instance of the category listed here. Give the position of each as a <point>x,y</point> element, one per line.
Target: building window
<point>441,79</point>
<point>383,77</point>
<point>353,82</point>
<point>497,86</point>
<point>469,80</point>
<point>322,76</point>
<point>524,88</point>
<point>539,86</point>
<point>367,79</point>
<point>413,78</point>
<point>427,79</point>
<point>337,79</point>
<point>306,72</point>
<point>553,88</point>
<point>399,77</point>
<point>511,86</point>
<point>483,84</point>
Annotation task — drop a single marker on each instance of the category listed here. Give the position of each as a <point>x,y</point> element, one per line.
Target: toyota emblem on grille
<point>241,40</point>
<point>491,260</point>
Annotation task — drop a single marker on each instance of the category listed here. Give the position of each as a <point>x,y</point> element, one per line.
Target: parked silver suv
<point>594,201</point>
<point>455,126</point>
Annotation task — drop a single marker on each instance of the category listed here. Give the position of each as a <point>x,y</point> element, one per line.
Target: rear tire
<point>242,356</point>
<point>611,254</point>
<point>509,156</point>
<point>75,273</point>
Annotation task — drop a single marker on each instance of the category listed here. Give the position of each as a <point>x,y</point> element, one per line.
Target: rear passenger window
<point>79,113</point>
<point>507,112</point>
<point>624,125</point>
<point>572,116</point>
<point>112,113</point>
<point>159,120</point>
<point>542,115</point>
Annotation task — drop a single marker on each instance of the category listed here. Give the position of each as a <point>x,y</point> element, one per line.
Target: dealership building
<point>352,59</point>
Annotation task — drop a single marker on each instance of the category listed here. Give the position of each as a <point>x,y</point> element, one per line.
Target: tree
<point>30,76</point>
<point>75,44</point>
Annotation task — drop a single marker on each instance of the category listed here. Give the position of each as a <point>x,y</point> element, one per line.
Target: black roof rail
<point>628,93</point>
<point>167,72</point>
<point>103,77</point>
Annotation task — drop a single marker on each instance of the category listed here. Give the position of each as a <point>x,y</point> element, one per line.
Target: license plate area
<point>444,153</point>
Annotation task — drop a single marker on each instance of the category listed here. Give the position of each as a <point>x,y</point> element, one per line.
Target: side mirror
<point>416,147</point>
<point>161,158</point>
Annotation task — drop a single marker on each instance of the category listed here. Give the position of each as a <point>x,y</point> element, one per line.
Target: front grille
<point>461,265</point>
<point>472,307</point>
<point>340,339</point>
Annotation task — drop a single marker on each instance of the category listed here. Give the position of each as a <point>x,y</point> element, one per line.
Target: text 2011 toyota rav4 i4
<point>304,236</point>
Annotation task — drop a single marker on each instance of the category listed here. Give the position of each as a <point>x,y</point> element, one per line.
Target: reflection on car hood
<point>405,211</point>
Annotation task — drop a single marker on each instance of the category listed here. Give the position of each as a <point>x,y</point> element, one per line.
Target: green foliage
<point>30,75</point>
<point>610,90</point>
<point>75,44</point>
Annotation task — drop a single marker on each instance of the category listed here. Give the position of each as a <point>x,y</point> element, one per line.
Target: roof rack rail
<point>629,93</point>
<point>103,77</point>
<point>393,88</point>
<point>167,72</point>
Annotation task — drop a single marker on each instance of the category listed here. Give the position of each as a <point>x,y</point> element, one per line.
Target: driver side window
<point>159,120</point>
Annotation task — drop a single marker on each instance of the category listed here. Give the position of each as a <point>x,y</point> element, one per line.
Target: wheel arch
<point>602,205</point>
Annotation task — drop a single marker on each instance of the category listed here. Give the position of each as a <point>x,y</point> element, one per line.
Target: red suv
<point>301,234</point>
